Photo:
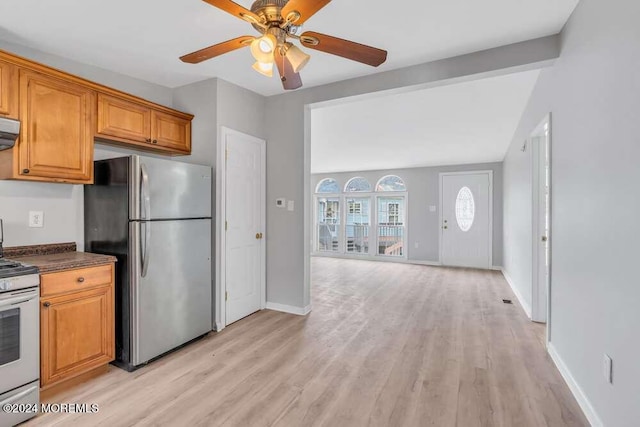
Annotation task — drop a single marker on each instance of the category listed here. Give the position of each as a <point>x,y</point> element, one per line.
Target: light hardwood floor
<point>386,345</point>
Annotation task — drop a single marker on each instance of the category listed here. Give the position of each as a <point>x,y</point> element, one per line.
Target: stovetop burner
<point>9,268</point>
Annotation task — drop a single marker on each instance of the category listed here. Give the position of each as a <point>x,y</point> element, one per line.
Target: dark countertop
<point>57,257</point>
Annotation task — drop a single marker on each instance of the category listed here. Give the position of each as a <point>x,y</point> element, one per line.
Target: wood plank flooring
<point>386,345</point>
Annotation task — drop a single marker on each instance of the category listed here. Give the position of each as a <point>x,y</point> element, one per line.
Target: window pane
<point>357,225</point>
<point>328,185</point>
<point>391,183</point>
<point>9,336</point>
<point>328,224</point>
<point>358,184</point>
<point>465,209</point>
<point>391,223</point>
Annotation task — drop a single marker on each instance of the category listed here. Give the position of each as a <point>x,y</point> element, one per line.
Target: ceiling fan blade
<point>290,79</point>
<point>344,48</point>
<point>235,9</point>
<point>306,9</point>
<point>217,50</point>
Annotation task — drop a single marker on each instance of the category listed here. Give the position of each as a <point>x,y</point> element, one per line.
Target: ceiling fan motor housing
<point>269,11</point>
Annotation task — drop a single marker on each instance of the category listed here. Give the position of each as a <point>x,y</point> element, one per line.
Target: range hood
<point>9,130</point>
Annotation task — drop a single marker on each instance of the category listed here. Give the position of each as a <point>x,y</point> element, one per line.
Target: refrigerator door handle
<point>144,190</point>
<point>145,254</point>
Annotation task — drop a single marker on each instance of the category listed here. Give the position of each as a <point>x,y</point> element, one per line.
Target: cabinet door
<point>56,143</point>
<point>77,333</point>
<point>8,90</point>
<point>170,131</point>
<point>122,119</point>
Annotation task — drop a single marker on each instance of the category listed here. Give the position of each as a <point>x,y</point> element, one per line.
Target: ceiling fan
<point>278,21</point>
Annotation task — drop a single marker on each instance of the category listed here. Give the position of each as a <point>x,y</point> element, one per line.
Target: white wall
<point>288,153</point>
<point>423,226</point>
<point>593,92</point>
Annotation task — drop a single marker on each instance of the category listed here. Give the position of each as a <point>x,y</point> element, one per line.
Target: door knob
<point>445,227</point>
<point>258,236</point>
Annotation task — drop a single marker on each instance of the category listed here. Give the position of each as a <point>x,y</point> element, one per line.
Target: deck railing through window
<point>357,238</point>
<point>391,240</point>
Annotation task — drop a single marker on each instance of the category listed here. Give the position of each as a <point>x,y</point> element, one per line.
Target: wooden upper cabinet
<point>123,119</point>
<point>170,131</point>
<point>8,90</point>
<point>56,141</point>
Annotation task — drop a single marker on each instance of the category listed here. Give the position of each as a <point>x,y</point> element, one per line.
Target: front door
<point>244,246</point>
<point>466,219</point>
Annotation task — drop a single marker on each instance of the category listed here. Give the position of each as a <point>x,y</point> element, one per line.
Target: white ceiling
<point>145,38</point>
<point>464,123</point>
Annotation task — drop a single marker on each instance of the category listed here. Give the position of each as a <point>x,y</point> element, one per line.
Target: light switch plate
<point>432,208</point>
<point>36,219</point>
<point>290,206</point>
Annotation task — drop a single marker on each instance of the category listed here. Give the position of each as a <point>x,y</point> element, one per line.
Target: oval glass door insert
<point>465,209</point>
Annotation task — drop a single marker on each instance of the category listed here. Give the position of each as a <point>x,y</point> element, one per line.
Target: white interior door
<point>466,201</point>
<point>541,224</point>
<point>245,213</point>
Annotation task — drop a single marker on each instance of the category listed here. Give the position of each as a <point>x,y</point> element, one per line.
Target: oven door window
<point>9,336</point>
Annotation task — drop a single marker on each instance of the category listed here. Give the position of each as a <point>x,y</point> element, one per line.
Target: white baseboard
<point>525,306</point>
<point>496,268</point>
<point>376,258</point>
<point>219,326</point>
<point>299,311</point>
<point>582,399</point>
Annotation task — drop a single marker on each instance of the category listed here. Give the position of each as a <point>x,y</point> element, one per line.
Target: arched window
<point>391,183</point>
<point>357,184</point>
<point>328,186</point>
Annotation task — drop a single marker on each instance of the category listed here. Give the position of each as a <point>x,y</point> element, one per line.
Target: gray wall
<point>423,227</point>
<point>593,93</point>
<point>288,153</point>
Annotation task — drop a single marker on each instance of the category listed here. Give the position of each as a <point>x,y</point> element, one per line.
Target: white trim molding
<point>298,311</point>
<point>580,396</point>
<point>526,307</point>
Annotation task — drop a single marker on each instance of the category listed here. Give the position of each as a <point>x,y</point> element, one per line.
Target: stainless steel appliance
<point>154,215</point>
<point>9,130</point>
<point>19,340</point>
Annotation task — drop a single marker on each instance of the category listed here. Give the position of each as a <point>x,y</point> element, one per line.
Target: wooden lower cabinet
<point>76,327</point>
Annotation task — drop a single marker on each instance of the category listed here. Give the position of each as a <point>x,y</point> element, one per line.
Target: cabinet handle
<point>47,304</point>
<point>155,141</point>
<point>148,139</point>
<point>25,171</point>
<point>80,279</point>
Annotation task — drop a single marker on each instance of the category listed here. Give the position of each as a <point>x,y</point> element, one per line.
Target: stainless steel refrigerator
<point>154,215</point>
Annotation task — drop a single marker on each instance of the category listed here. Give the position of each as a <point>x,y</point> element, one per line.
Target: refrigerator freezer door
<point>164,189</point>
<point>172,302</point>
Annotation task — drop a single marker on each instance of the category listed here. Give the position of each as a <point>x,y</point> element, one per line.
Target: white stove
<point>19,340</point>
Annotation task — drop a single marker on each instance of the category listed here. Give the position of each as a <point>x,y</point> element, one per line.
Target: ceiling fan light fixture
<point>262,48</point>
<point>296,57</point>
<point>264,68</point>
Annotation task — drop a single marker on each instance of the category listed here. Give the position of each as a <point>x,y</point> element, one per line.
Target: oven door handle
<point>18,396</point>
<point>13,301</point>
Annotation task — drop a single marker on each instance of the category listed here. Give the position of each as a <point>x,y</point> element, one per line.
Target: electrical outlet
<point>608,369</point>
<point>36,219</point>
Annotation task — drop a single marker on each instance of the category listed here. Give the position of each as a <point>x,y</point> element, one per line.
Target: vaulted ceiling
<point>472,122</point>
<point>144,38</point>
